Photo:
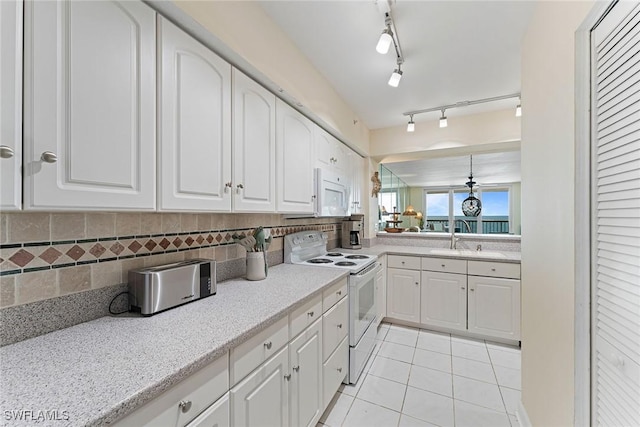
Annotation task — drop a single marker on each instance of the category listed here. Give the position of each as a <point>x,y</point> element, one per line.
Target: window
<point>444,206</point>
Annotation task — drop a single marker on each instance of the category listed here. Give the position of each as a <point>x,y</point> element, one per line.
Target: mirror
<point>435,187</point>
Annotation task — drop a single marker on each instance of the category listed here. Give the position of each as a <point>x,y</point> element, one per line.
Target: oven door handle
<point>370,273</point>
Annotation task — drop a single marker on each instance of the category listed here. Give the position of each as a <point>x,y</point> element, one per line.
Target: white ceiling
<point>490,168</point>
<point>454,51</point>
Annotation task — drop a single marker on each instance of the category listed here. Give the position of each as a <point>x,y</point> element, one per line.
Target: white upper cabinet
<point>330,153</point>
<point>195,132</point>
<point>10,105</point>
<point>294,149</point>
<point>358,194</point>
<point>89,113</point>
<point>254,146</point>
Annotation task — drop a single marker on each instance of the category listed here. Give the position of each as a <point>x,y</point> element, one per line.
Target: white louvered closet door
<point>616,218</point>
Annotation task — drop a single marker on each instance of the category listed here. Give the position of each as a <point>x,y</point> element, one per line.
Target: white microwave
<point>332,193</point>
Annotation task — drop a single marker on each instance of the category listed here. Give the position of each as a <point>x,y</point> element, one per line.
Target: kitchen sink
<point>468,253</point>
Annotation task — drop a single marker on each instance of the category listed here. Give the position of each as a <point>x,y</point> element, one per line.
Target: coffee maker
<point>352,232</point>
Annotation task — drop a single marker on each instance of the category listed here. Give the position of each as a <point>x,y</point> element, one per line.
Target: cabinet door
<point>90,84</point>
<point>444,300</point>
<point>356,197</point>
<point>195,134</point>
<point>217,415</point>
<point>403,294</point>
<point>294,147</point>
<point>494,307</point>
<point>305,353</point>
<point>254,146</point>
<point>381,291</point>
<point>262,399</point>
<point>10,105</point>
<point>324,147</point>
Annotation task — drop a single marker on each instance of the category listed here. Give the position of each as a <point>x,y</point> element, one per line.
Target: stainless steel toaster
<point>160,288</point>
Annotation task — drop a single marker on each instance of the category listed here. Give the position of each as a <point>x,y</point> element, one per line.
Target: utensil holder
<point>256,269</point>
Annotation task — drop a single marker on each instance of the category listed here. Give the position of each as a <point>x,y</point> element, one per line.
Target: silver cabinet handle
<point>339,293</point>
<point>227,186</point>
<point>339,325</point>
<point>287,377</point>
<point>6,152</point>
<point>310,313</point>
<point>49,157</point>
<point>184,406</point>
<point>296,368</point>
<point>339,369</point>
<point>268,345</point>
<point>471,289</point>
<point>462,287</point>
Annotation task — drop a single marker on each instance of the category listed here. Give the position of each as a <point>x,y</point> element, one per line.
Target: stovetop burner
<point>345,263</point>
<point>334,254</point>
<point>320,261</point>
<point>357,257</point>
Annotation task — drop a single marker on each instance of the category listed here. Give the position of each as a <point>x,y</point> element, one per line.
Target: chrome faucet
<point>454,240</point>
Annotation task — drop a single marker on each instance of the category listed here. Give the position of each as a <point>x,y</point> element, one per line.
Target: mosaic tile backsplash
<point>47,255</point>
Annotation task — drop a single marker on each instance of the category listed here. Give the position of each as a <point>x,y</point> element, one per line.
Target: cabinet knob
<point>49,157</point>
<point>310,313</point>
<point>238,188</point>
<point>417,283</point>
<point>462,287</point>
<point>402,262</point>
<point>6,152</point>
<point>287,377</point>
<point>313,197</point>
<point>227,186</point>
<point>296,368</point>
<point>471,289</point>
<point>339,325</point>
<point>339,369</point>
<point>268,345</point>
<point>184,406</point>
<point>443,265</point>
<point>339,293</point>
<point>493,269</point>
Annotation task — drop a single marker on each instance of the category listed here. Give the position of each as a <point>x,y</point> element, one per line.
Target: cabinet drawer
<point>305,315</point>
<point>216,415</point>
<point>445,265</point>
<point>494,269</point>
<point>334,371</point>
<point>201,389</point>
<point>251,353</point>
<point>407,262</point>
<point>334,294</point>
<point>335,326</point>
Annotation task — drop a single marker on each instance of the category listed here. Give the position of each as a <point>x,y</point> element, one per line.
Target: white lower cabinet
<point>305,355</point>
<point>182,403</point>
<point>334,370</point>
<point>494,307</point>
<point>217,415</point>
<point>443,300</point>
<point>381,290</point>
<point>403,294</point>
<point>262,399</point>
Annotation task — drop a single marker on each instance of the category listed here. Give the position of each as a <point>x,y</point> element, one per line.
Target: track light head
<point>384,42</point>
<point>394,80</point>
<point>411,126</point>
<point>443,120</point>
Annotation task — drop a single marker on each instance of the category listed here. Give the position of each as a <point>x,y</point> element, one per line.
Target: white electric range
<point>310,248</point>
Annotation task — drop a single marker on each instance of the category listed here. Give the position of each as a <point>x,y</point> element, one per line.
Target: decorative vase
<point>256,266</point>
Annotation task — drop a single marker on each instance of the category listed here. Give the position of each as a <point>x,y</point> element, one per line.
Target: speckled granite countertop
<point>488,255</point>
<point>100,370</point>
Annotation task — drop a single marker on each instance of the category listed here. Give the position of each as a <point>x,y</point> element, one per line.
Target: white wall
<point>244,27</point>
<point>548,212</point>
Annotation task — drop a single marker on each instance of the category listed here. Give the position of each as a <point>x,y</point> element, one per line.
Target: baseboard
<point>521,415</point>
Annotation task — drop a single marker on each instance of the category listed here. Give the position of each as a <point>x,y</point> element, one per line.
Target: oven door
<point>362,302</point>
<point>332,194</point>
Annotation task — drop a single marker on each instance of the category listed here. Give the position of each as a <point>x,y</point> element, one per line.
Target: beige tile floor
<point>417,378</point>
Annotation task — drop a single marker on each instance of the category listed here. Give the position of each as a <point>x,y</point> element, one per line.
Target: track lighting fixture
<point>394,80</point>
<point>384,42</point>
<point>443,108</point>
<point>388,37</point>
<point>411,126</point>
<point>443,120</point>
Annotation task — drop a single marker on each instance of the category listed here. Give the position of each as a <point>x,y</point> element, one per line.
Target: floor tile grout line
<point>453,396</point>
<point>493,369</point>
